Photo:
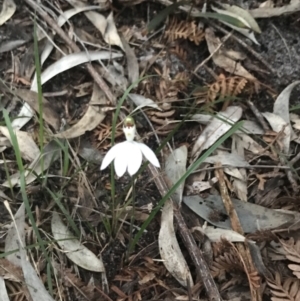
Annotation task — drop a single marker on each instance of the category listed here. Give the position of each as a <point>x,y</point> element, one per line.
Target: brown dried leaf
<point>223,61</point>
<point>10,271</point>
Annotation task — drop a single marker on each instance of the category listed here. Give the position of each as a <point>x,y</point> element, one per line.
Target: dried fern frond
<point>179,52</point>
<point>288,290</point>
<point>228,262</point>
<point>292,250</point>
<point>184,30</point>
<point>226,87</point>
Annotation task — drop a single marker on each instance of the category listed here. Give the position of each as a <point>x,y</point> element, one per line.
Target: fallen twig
<point>202,268</point>
<point>236,226</point>
<point>258,115</point>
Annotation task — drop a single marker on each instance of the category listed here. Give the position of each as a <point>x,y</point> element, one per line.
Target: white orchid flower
<point>128,155</point>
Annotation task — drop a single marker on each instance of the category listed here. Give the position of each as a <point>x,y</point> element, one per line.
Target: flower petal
<point>122,158</point>
<point>135,158</point>
<point>148,153</point>
<point>111,155</point>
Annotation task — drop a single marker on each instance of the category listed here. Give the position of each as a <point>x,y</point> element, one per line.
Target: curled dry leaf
<point>141,101</point>
<point>281,106</point>
<point>72,247</point>
<point>175,168</point>
<point>8,9</point>
<point>92,117</point>
<point>28,148</point>
<point>107,28</point>
<point>169,248</point>
<point>49,114</point>
<point>49,154</point>
<point>72,60</point>
<point>111,35</point>
<point>217,234</point>
<point>219,125</point>
<point>223,61</point>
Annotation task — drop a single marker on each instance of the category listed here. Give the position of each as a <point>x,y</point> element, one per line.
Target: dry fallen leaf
<point>278,125</point>
<point>175,168</point>
<point>219,125</point>
<point>65,63</point>
<point>111,35</point>
<point>49,114</point>
<point>223,61</point>
<point>14,234</point>
<point>49,154</point>
<point>8,9</point>
<point>132,62</point>
<point>3,291</point>
<point>92,117</point>
<point>28,148</point>
<point>73,248</point>
<point>243,16</point>
<point>34,284</point>
<point>169,248</point>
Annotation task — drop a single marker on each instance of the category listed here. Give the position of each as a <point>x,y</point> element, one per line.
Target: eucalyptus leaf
<point>252,217</point>
<point>223,17</point>
<point>243,14</point>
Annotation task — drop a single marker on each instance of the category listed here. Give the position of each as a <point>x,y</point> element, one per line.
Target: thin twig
<point>196,254</point>
<point>295,159</point>
<point>243,166</point>
<point>247,47</point>
<point>290,176</point>
<point>258,115</point>
<point>243,249</point>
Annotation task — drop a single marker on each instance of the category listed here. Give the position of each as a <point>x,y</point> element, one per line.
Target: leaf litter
<point>195,97</point>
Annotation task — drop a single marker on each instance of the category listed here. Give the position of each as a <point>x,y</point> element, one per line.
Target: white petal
<point>135,158</point>
<point>148,153</point>
<point>121,160</point>
<point>111,155</point>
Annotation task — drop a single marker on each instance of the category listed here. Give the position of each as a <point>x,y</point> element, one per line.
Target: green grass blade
<point>23,183</point>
